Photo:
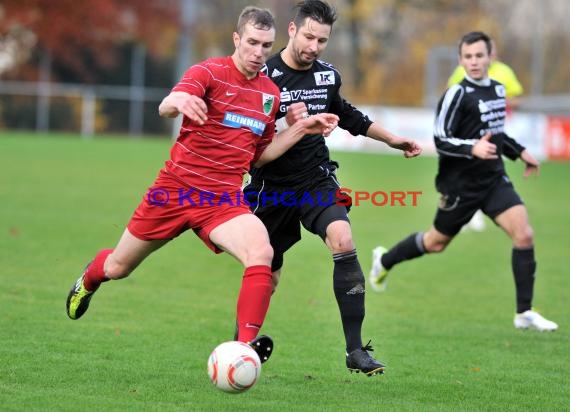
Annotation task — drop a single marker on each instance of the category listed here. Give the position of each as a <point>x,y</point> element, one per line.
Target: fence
<point>547,136</point>
<point>44,92</point>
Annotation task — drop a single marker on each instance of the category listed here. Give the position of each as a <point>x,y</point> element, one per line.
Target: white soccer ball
<point>234,367</point>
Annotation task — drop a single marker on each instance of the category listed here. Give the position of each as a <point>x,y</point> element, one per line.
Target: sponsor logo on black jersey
<point>500,90</point>
<point>324,78</point>
<point>483,108</point>
<point>276,73</point>
<point>290,96</point>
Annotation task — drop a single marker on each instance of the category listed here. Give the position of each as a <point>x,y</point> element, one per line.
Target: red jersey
<point>214,157</point>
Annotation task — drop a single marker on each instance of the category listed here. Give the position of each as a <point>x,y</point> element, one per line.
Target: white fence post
<point>88,102</point>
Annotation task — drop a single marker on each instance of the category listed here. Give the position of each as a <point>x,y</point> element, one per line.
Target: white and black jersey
<point>465,113</point>
<point>319,89</point>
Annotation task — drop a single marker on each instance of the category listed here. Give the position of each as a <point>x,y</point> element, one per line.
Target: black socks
<point>524,268</point>
<point>409,248</point>
<point>349,283</point>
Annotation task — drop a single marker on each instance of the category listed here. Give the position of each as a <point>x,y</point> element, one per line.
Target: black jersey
<point>465,113</point>
<point>319,88</point>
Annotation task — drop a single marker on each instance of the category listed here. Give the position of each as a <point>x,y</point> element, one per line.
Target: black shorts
<point>456,209</point>
<point>314,204</point>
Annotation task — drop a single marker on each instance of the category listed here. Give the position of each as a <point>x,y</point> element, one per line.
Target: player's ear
<point>292,29</point>
<point>236,39</point>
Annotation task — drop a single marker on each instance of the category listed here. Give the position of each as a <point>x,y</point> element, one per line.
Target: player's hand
<point>322,123</point>
<point>192,107</point>
<point>484,149</point>
<point>410,147</point>
<point>296,112</point>
<point>531,164</point>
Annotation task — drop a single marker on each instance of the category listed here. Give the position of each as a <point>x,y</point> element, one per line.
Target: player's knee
<point>434,242</point>
<point>523,238</point>
<point>115,269</point>
<point>435,247</point>
<point>341,243</point>
<point>261,255</point>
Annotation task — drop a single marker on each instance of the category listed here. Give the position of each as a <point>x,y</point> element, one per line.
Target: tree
<point>66,29</point>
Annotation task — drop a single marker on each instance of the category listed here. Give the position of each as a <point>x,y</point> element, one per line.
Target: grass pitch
<point>444,326</point>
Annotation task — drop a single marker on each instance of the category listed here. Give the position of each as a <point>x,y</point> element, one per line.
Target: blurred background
<point>98,67</point>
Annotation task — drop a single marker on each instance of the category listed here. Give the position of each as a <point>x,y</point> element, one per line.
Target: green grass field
<point>444,327</point>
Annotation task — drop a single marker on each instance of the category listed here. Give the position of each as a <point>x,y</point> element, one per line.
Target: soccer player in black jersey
<point>300,187</point>
<point>470,140</point>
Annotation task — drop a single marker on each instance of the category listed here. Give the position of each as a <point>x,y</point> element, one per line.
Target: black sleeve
<point>446,126</point>
<point>351,119</point>
<point>511,148</point>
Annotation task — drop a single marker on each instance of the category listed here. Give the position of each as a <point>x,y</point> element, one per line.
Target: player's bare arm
<point>189,105</point>
<point>531,164</point>
<point>410,147</point>
<point>322,123</point>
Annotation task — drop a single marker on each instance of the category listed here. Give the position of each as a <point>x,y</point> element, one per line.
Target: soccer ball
<point>234,367</point>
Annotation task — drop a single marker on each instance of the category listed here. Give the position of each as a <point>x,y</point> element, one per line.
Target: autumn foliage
<point>70,28</point>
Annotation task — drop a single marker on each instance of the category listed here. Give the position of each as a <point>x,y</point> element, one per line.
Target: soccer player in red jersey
<point>228,110</point>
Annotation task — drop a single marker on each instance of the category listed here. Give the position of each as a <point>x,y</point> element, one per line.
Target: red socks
<point>252,304</point>
<point>253,301</point>
<point>95,273</point>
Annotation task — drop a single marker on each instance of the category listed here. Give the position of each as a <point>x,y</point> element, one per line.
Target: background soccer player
<point>228,124</point>
<point>470,140</point>
<point>310,86</point>
<point>505,75</point>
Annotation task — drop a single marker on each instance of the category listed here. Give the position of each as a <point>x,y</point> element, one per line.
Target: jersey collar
<point>486,81</point>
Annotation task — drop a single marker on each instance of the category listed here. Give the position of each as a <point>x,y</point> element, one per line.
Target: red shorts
<point>169,209</point>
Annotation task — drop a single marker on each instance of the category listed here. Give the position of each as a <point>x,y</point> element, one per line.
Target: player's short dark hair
<point>474,37</point>
<point>317,10</point>
<point>259,18</point>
